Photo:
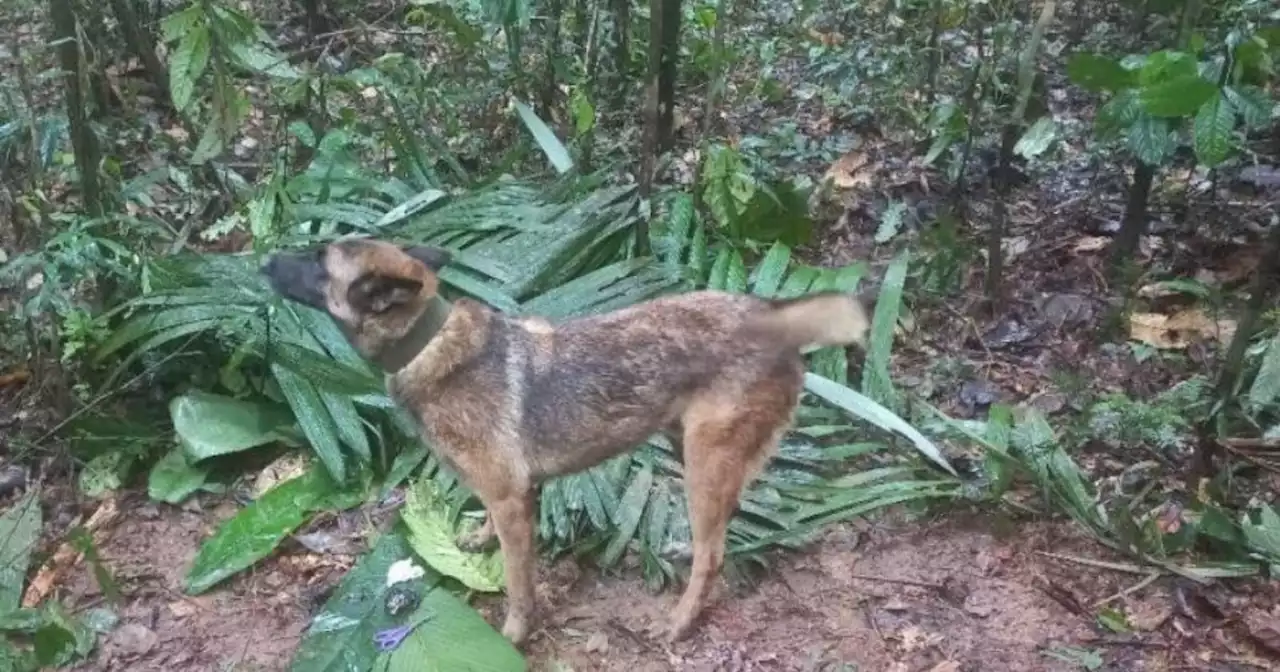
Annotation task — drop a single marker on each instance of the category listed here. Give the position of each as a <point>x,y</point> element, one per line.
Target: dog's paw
<point>678,629</point>
<point>516,630</point>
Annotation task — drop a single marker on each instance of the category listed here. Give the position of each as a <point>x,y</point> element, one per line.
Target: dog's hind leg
<point>728,435</point>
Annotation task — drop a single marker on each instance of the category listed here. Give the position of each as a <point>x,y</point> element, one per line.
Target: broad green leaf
<point>19,530</point>
<point>177,24</point>
<point>173,479</point>
<point>876,382</point>
<point>1166,66</point>
<point>1177,98</point>
<point>259,58</point>
<point>256,530</point>
<point>1253,104</point>
<point>865,408</point>
<point>340,637</point>
<point>1118,114</point>
<point>1266,384</point>
<point>1150,140</point>
<point>1098,73</point>
<point>719,278</point>
<point>187,64</point>
<point>453,637</point>
<point>1037,139</point>
<point>1213,127</point>
<point>1264,535</point>
<point>555,150</point>
<point>735,279</point>
<point>426,515</point>
<point>211,424</point>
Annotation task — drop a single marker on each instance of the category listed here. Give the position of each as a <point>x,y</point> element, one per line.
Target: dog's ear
<point>433,258</point>
<point>374,293</point>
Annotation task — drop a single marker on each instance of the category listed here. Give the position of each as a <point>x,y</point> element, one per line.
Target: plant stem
<point>83,141</point>
<point>1261,291</point>
<point>1134,223</point>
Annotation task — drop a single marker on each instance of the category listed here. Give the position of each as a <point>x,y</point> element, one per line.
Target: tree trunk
<point>669,55</point>
<point>555,14</point>
<point>143,45</point>
<point>1134,223</point>
<point>1013,126</point>
<point>83,141</point>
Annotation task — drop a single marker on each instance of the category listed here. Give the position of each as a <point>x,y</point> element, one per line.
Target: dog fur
<point>511,401</point>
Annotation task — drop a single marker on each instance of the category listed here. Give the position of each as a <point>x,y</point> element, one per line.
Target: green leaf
<point>313,418</point>
<point>173,479</point>
<point>448,635</point>
<point>1118,114</point>
<point>259,58</point>
<point>1098,73</point>
<point>1177,98</point>
<point>54,645</point>
<point>255,531</point>
<point>1253,104</point>
<point>890,222</point>
<point>1266,384</point>
<point>19,530</point>
<point>876,382</point>
<point>771,270</point>
<point>1166,66</point>
<point>628,515</point>
<point>862,407</point>
<point>211,424</point>
<point>1150,140</point>
<point>1264,536</point>
<point>426,515</point>
<point>1213,127</point>
<point>555,150</point>
<point>187,64</point>
<point>1037,139</point>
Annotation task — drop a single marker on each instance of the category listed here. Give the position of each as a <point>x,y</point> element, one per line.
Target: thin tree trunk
<point>83,141</point>
<point>555,13</point>
<point>1012,127</point>
<point>670,55</point>
<point>1261,292</point>
<point>652,134</point>
<point>1134,223</point>
<point>143,45</point>
<point>711,104</point>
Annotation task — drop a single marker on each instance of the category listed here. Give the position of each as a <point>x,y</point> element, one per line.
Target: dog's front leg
<point>512,518</point>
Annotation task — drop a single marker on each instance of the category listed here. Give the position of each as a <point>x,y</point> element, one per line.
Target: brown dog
<point>510,401</point>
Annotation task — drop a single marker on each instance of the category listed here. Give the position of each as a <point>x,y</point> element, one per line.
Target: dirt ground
<point>965,593</point>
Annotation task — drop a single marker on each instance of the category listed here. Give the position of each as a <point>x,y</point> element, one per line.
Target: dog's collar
<point>398,354</point>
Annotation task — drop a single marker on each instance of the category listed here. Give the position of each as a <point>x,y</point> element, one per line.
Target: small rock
<point>977,605</point>
<point>598,642</point>
<point>1048,402</point>
<point>1066,310</point>
<point>1006,333</point>
<point>134,639</point>
<point>978,395</point>
<point>895,604</point>
<point>181,608</point>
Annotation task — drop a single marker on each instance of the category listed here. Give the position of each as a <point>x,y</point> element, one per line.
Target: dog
<point>510,401</point>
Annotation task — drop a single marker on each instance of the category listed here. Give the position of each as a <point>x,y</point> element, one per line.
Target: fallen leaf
<point>946,666</point>
<point>852,170</point>
<point>1177,331</point>
<point>288,466</point>
<point>914,638</point>
<point>1091,244</point>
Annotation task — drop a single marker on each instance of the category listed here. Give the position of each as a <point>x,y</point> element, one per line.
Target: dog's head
<point>373,289</point>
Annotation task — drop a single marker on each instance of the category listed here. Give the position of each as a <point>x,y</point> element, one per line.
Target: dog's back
<point>582,391</point>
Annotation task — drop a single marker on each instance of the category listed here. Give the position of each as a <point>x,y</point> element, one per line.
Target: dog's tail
<point>828,318</point>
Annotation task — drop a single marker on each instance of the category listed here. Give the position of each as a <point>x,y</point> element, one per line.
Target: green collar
<point>399,353</point>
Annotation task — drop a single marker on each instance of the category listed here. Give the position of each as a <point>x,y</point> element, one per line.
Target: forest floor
<point>955,591</point>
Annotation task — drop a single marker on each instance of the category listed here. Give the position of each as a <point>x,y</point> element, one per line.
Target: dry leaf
<point>285,468</point>
<point>1091,244</point>
<point>851,170</point>
<point>1177,331</point>
<point>946,666</point>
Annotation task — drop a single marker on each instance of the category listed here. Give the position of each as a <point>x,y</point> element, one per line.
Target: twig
<point>1130,590</point>
<point>1102,564</point>
<point>905,582</point>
